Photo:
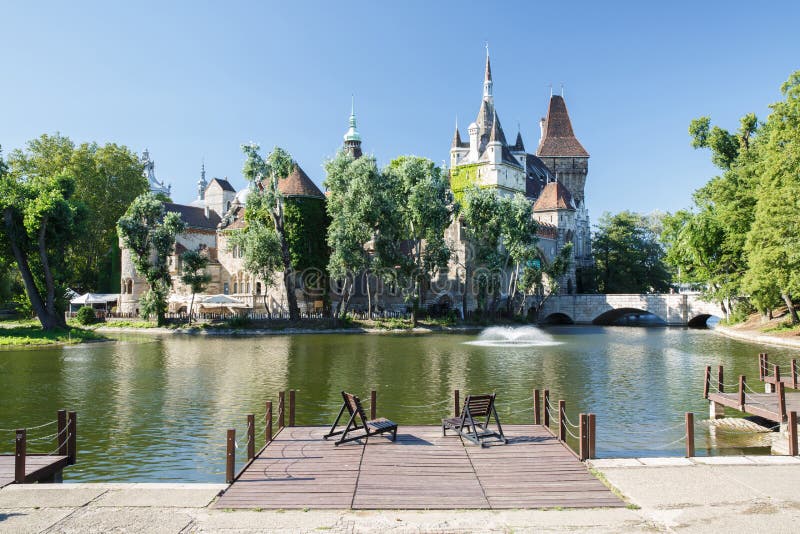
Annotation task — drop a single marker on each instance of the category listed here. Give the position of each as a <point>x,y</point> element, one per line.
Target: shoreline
<point>238,332</point>
<point>754,336</point>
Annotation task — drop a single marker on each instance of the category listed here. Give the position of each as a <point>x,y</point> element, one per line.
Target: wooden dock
<point>421,470</point>
<point>38,468</point>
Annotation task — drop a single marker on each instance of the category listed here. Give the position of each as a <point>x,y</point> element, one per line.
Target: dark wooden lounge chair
<point>367,428</point>
<point>468,426</point>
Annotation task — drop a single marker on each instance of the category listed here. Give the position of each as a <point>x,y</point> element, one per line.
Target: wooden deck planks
<point>761,404</point>
<point>37,467</point>
<point>422,470</point>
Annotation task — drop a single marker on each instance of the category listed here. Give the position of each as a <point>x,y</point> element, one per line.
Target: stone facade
<point>673,309</point>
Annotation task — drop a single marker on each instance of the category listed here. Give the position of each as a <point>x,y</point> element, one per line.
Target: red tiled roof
<point>554,196</point>
<point>559,140</point>
<point>298,184</point>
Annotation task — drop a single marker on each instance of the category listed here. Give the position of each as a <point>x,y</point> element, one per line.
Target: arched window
<point>235,287</point>
<point>129,286</point>
<point>258,288</point>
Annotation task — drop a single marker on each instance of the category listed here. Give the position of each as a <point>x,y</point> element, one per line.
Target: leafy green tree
<point>773,243</point>
<point>193,264</point>
<point>261,250</point>
<point>480,215</point>
<point>149,232</point>
<point>539,280</point>
<point>41,219</point>
<point>628,256</point>
<point>423,204</point>
<point>518,232</point>
<point>107,179</point>
<point>265,204</point>
<point>361,212</point>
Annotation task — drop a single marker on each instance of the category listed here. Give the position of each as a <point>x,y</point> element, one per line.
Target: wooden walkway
<point>38,467</point>
<point>764,405</point>
<point>422,470</point>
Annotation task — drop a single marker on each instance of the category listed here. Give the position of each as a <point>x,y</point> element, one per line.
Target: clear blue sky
<point>193,81</point>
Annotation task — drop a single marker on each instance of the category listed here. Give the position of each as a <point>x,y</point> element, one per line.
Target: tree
<point>149,232</point>
<point>193,264</point>
<point>265,204</point>
<point>480,216</point>
<point>518,232</point>
<point>423,204</point>
<point>539,280</point>
<point>628,256</point>
<point>363,233</point>
<point>41,218</point>
<point>107,179</point>
<point>261,250</point>
<point>773,243</point>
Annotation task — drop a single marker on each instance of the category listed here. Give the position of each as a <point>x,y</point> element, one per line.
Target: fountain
<point>519,336</point>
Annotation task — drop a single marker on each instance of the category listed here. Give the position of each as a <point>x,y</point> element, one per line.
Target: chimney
<point>207,211</point>
<point>541,129</point>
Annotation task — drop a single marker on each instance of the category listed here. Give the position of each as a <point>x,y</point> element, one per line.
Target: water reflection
<point>157,410</point>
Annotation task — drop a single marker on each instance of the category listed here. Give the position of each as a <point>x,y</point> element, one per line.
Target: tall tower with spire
<point>485,160</point>
<point>352,139</point>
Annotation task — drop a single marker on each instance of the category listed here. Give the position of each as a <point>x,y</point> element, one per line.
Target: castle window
<point>226,288</point>
<point>235,288</point>
<point>258,288</point>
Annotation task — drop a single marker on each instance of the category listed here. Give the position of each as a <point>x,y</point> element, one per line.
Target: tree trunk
<point>787,299</point>
<point>191,309</point>
<point>465,294</point>
<point>46,319</point>
<point>369,295</point>
<point>50,286</point>
<point>288,272</point>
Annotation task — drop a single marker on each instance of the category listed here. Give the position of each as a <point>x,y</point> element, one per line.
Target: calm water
<point>157,409</point>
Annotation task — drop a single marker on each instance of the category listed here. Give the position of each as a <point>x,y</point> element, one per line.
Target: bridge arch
<point>638,316</point>
<point>558,318</point>
<point>701,320</point>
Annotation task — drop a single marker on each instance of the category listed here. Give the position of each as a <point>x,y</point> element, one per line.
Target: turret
<point>352,139</point>
<point>561,151</point>
<point>495,146</point>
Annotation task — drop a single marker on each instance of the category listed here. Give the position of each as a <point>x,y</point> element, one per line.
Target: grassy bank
<point>25,335</point>
<point>779,326</point>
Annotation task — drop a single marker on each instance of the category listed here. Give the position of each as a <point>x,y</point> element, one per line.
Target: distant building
<point>156,186</point>
<point>553,178</point>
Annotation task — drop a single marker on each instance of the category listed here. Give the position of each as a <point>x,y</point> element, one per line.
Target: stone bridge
<point>673,309</point>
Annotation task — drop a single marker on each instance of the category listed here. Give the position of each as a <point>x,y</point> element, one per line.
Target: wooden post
<point>781,400</point>
<point>456,403</point>
<point>268,423</point>
<point>793,434</point>
<point>562,424</point>
<point>281,406</point>
<point>592,440</point>
<point>291,407</point>
<point>794,373</point>
<point>251,436</point>
<point>776,371</point>
<point>373,398</point>
<point>20,451</point>
<point>762,366</point>
<point>720,385</point>
<point>72,439</point>
<point>537,408</point>
<point>583,434</point>
<point>546,411</point>
<point>230,456</point>
<point>741,393</point>
<point>707,382</point>
<point>61,436</point>
<point>689,434</point>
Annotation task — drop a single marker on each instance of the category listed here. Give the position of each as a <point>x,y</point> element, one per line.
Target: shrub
<point>85,315</point>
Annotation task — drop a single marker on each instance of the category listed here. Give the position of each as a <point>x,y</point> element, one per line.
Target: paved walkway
<point>734,494</point>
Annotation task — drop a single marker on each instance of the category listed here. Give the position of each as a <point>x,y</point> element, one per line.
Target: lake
<point>156,409</point>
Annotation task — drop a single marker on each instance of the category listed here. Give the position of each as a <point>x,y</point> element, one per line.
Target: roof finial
<point>551,90</point>
<point>562,89</point>
<point>352,133</point>
<point>487,78</point>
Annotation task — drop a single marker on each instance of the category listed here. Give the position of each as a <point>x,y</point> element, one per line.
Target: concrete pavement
<point>732,494</point>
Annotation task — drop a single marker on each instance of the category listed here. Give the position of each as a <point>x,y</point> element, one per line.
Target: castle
<point>553,179</point>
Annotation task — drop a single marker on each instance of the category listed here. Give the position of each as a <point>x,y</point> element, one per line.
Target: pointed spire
<point>494,136</point>
<point>487,77</point>
<point>202,184</point>
<point>352,133</point>
<point>518,143</point>
<point>456,137</point>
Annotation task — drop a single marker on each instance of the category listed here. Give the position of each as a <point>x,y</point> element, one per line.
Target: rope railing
<point>65,445</point>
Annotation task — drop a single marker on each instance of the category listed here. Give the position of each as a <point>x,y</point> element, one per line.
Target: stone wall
<point>673,309</point>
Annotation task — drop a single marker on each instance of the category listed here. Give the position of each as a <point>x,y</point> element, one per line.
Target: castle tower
<point>202,184</point>
<point>564,155</point>
<point>561,151</point>
<point>352,139</point>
